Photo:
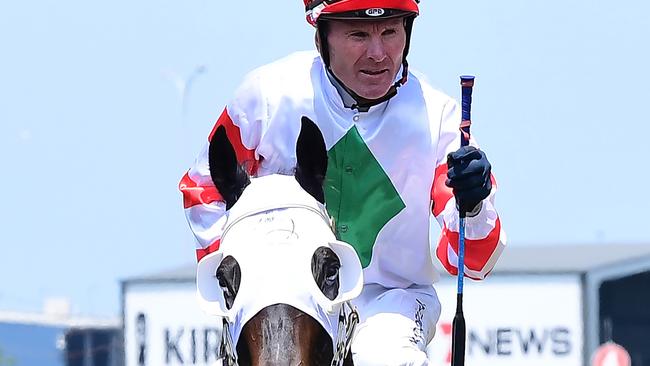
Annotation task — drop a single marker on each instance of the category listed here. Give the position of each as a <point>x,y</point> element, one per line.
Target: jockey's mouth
<point>374,72</point>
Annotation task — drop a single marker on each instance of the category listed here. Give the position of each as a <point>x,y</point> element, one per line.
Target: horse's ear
<point>227,175</point>
<point>312,159</point>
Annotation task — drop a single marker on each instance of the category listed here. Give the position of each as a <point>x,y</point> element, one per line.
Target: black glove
<point>469,176</point>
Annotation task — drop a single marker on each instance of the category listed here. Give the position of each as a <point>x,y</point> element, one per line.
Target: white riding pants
<point>395,325</point>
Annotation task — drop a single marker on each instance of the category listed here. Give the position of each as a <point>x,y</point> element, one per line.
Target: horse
<point>280,280</point>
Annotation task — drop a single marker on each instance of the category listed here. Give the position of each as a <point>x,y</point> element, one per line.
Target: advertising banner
<point>163,325</point>
<point>532,320</point>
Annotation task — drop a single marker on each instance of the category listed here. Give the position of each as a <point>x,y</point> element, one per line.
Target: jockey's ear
<point>311,155</point>
<point>227,175</point>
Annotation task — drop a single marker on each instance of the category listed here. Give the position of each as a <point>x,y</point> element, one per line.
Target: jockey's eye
<point>358,35</point>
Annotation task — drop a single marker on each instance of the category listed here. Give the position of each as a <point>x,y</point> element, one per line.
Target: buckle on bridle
<point>346,327</point>
<point>227,349</point>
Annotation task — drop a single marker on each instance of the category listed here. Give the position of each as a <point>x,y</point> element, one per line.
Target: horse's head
<point>280,276</point>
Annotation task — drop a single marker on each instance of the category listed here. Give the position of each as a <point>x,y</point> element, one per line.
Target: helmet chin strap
<point>363,104</point>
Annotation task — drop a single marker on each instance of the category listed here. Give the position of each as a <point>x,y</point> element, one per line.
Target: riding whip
<point>458,326</point>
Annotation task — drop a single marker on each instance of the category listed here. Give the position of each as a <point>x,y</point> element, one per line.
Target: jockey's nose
<point>376,50</point>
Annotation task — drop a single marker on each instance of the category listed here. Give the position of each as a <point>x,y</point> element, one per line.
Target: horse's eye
<point>226,292</point>
<point>228,275</point>
<point>219,276</point>
<point>325,266</point>
<point>223,284</point>
<point>332,273</point>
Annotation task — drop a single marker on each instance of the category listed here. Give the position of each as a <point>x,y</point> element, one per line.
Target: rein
<point>227,349</point>
<point>347,325</point>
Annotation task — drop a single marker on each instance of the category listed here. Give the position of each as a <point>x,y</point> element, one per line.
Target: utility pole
<point>183,86</point>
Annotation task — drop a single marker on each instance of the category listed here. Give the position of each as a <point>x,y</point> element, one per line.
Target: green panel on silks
<point>369,199</point>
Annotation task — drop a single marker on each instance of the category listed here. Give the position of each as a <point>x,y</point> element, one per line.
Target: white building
<point>541,306</point>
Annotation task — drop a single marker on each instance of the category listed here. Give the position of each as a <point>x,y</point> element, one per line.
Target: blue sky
<point>93,140</point>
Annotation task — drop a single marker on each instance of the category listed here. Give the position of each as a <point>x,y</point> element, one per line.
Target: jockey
<point>394,161</point>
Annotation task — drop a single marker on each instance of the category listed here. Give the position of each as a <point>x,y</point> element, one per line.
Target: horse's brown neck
<point>283,335</point>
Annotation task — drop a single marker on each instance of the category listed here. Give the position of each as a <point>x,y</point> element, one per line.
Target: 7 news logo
<point>505,342</point>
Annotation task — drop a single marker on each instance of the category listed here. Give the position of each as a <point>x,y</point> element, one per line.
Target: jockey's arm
<point>484,238</point>
<point>204,206</point>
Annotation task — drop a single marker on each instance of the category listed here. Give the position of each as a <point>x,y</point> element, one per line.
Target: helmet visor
<point>367,14</point>
<point>360,9</point>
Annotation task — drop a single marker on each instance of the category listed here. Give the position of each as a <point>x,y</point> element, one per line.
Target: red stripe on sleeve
<point>193,194</point>
<point>477,251</point>
<point>200,253</point>
<point>245,157</point>
<point>440,193</point>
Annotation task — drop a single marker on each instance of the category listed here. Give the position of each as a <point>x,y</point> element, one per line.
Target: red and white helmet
<point>359,9</point>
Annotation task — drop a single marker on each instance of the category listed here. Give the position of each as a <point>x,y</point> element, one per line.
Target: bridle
<point>347,325</point>
<point>348,316</point>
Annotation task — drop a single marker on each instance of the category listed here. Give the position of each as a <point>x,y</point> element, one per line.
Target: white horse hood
<point>273,231</point>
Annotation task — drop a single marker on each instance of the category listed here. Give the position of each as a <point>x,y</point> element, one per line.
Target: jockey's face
<point>366,55</point>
